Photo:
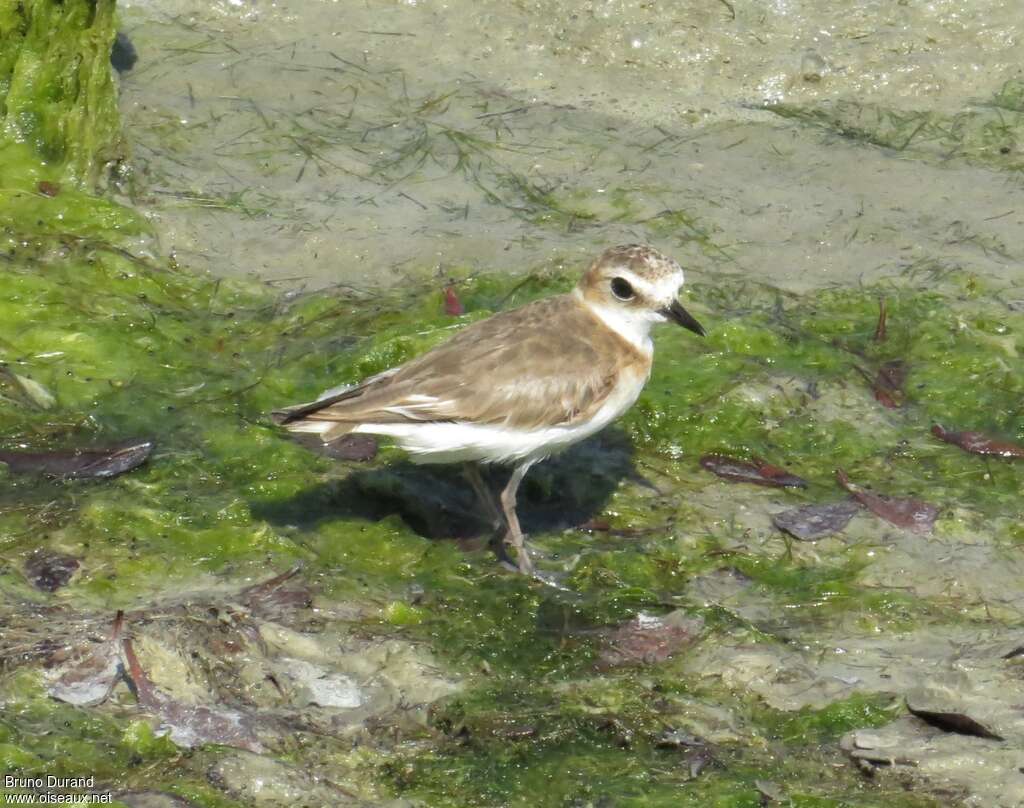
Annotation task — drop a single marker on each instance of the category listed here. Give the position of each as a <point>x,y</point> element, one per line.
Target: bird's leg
<point>471,471</point>
<point>515,533</point>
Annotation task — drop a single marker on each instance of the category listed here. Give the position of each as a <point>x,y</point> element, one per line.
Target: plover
<point>521,385</point>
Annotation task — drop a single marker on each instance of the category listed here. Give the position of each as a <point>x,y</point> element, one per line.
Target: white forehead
<point>662,287</point>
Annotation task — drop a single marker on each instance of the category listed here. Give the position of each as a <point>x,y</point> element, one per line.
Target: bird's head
<point>634,286</point>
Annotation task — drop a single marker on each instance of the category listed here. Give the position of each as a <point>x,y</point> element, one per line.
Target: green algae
<point>829,723</point>
<point>988,133</point>
<point>530,747</point>
<point>85,742</point>
<point>197,364</point>
<point>40,737</point>
<point>56,87</point>
<point>738,395</point>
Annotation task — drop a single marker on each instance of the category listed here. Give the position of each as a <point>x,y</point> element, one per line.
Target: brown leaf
<point>880,333</point>
<point>452,305</point>
<point>647,639</point>
<point>50,571</point>
<point>816,521</point>
<point>887,384</point>
<point>979,443</point>
<point>886,399</point>
<point>79,463</point>
<point>757,472</point>
<point>912,514</point>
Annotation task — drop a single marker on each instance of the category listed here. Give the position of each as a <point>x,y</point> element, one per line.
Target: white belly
<point>434,442</point>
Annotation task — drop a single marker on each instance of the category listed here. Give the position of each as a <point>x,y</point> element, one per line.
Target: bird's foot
<point>516,541</point>
<point>525,564</point>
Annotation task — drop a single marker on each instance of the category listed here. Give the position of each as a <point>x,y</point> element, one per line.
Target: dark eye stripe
<point>622,289</point>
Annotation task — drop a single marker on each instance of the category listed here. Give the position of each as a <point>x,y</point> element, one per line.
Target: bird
<point>519,386</point>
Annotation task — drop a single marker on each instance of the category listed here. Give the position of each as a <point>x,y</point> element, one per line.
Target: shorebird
<point>521,385</point>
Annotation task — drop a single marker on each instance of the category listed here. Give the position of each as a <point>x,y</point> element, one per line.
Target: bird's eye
<point>622,290</point>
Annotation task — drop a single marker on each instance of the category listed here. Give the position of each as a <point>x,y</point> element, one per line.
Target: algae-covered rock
<point>60,133</point>
<point>56,87</point>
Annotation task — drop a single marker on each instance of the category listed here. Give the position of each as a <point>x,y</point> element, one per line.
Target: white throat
<point>635,328</point>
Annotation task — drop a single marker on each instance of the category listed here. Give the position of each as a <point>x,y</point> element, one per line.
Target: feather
<point>508,371</point>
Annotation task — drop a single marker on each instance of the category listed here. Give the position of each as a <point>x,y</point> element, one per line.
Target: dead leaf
<point>50,571</point>
<point>190,725</point>
<point>880,333</point>
<point>887,383</point>
<point>647,639</point>
<point>912,514</point>
<point>91,674</point>
<point>757,472</point>
<point>79,463</point>
<point>452,305</point>
<point>979,443</point>
<point>816,521</point>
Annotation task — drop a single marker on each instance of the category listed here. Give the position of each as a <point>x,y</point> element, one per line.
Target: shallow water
<point>683,651</point>
<point>355,142</point>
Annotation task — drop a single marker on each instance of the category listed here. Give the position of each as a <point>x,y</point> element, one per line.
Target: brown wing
<point>541,365</point>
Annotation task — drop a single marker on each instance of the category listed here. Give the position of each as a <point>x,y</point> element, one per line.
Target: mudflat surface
<point>323,142</point>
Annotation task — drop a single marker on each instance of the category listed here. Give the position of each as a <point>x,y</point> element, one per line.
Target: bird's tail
<point>302,419</point>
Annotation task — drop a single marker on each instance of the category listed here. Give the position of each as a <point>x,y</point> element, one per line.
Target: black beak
<point>679,315</point>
